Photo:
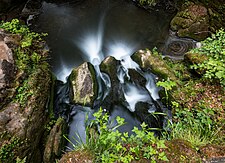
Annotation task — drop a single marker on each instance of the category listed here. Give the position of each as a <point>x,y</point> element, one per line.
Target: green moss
<point>9,149</point>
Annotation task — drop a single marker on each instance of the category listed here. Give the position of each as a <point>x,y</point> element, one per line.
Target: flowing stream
<point>92,30</point>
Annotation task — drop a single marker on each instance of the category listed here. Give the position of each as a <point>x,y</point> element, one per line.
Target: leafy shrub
<point>109,145</point>
<point>214,48</point>
<point>195,125</point>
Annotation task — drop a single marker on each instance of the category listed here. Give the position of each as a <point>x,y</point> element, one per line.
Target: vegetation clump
<point>29,55</point>
<point>214,48</point>
<point>109,145</point>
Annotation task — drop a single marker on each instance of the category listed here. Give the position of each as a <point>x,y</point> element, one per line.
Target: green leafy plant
<point>195,126</point>
<point>18,160</point>
<point>168,86</point>
<point>110,145</point>
<point>214,48</point>
<point>26,54</point>
<point>6,150</point>
<point>23,92</point>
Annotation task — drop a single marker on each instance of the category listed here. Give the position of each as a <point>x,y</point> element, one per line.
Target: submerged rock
<point>84,84</point>
<point>192,21</point>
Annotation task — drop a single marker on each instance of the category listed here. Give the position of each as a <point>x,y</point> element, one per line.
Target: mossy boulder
<point>179,150</point>
<point>83,84</point>
<point>195,59</point>
<point>24,96</point>
<point>153,61</point>
<point>191,21</point>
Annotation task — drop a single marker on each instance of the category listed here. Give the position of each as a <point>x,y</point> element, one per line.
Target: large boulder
<point>192,22</point>
<point>84,84</point>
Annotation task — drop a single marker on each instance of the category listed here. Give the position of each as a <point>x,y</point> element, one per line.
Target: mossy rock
<point>191,21</point>
<point>195,59</point>
<point>83,84</point>
<point>153,61</point>
<point>181,151</point>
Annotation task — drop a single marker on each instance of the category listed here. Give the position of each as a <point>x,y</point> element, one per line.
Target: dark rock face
<point>84,84</point>
<point>27,122</point>
<point>21,124</point>
<point>6,4</point>
<point>7,67</point>
<point>110,66</point>
<point>192,21</point>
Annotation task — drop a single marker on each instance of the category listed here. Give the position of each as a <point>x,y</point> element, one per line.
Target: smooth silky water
<point>90,31</point>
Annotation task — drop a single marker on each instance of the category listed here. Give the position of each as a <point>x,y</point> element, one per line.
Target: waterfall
<point>139,100</point>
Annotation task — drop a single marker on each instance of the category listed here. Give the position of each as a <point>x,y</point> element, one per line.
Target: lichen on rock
<point>84,84</point>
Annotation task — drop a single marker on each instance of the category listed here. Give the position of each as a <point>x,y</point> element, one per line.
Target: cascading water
<point>83,32</point>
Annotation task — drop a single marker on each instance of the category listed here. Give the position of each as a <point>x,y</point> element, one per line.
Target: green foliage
<point>109,145</point>
<point>214,49</point>
<point>196,126</point>
<point>147,2</point>
<point>27,55</point>
<point>18,160</point>
<point>23,92</point>
<point>167,85</point>
<point>7,149</point>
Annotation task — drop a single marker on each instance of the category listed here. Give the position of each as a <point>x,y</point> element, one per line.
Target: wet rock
<point>192,21</point>
<point>110,66</point>
<point>175,47</point>
<point>148,60</point>
<point>55,142</point>
<point>83,84</point>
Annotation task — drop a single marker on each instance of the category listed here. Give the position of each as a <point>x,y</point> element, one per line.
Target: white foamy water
<point>133,94</point>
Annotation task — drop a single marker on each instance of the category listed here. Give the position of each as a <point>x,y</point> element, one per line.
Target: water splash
<point>151,86</point>
<point>64,72</point>
<point>134,94</point>
<point>91,43</point>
